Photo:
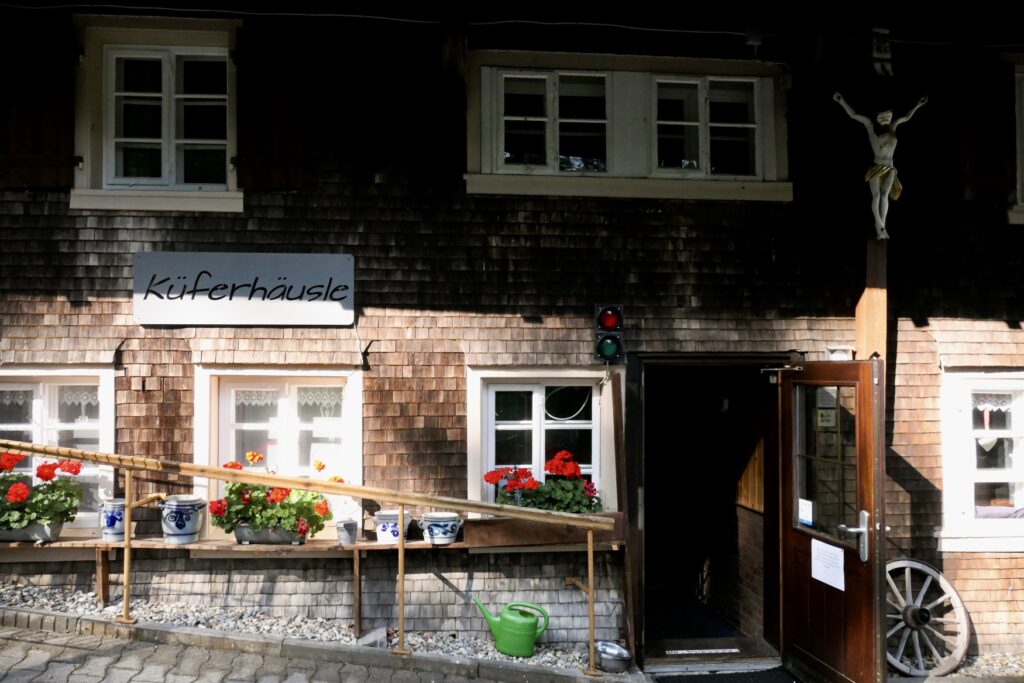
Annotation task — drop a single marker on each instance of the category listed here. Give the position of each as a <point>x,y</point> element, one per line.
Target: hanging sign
<point>827,564</point>
<point>209,288</point>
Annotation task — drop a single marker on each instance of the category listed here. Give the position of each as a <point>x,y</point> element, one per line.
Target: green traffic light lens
<point>608,348</point>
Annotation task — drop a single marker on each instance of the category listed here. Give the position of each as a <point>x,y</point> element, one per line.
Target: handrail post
<point>591,670</point>
<point>401,581</point>
<point>126,580</point>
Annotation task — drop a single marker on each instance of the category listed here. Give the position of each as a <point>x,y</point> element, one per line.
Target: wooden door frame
<point>631,480</point>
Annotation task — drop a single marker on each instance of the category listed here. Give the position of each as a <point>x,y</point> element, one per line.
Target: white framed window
<point>524,417</point>
<point>983,462</point>
<point>155,115</point>
<point>66,409</point>
<point>604,125</point>
<point>291,417</point>
<point>165,118</point>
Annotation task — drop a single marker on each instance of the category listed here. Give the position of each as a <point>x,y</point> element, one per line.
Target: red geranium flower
<point>8,461</point>
<point>18,493</point>
<point>531,484</point>
<point>493,477</point>
<point>47,471</point>
<point>246,496</point>
<point>589,489</point>
<point>233,465</point>
<point>218,508</point>
<point>70,466</point>
<point>322,508</point>
<point>277,495</point>
<point>301,526</point>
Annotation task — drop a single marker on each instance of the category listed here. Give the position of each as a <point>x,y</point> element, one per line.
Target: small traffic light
<point>608,332</point>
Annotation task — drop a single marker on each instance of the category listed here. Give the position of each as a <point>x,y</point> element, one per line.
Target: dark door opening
<point>710,512</point>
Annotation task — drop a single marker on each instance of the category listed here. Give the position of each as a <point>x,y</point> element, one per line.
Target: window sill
<point>639,188</point>
<point>980,544</point>
<point>156,200</point>
<point>1015,215</point>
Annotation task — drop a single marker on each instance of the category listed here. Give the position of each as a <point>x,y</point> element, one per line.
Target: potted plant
<point>563,488</point>
<point>37,512</point>
<point>258,513</point>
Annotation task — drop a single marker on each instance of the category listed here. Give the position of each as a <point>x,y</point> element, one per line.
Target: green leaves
<point>249,503</point>
<point>51,502</point>
<point>555,493</point>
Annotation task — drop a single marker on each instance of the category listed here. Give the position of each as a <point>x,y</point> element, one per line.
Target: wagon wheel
<point>927,627</point>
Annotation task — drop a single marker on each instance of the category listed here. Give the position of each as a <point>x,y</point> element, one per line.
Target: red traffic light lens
<point>609,319</point>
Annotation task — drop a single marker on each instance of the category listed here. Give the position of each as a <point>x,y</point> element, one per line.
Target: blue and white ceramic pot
<point>181,517</point>
<point>440,528</point>
<point>112,520</point>
<point>387,525</point>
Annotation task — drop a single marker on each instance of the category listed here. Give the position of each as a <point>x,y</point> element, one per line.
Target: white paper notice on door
<point>827,564</point>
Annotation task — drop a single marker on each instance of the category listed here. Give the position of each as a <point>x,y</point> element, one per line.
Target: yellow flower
<point>253,457</point>
<point>337,479</point>
<point>318,466</point>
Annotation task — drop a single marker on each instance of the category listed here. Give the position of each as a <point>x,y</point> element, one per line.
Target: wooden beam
<point>220,473</point>
<point>102,576</point>
<point>872,314</point>
<point>357,596</point>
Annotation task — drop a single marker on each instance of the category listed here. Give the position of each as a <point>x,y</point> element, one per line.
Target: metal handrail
<point>136,464</point>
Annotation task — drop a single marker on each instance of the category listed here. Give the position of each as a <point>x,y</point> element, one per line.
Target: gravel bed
<point>992,665</point>
<point>252,620</point>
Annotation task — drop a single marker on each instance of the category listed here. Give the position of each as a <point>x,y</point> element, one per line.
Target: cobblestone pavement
<point>43,657</point>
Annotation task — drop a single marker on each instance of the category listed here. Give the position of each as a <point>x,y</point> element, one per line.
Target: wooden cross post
<point>872,315</point>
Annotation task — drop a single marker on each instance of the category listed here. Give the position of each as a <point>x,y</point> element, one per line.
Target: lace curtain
<point>17,397</point>
<point>79,396</point>
<point>255,397</point>
<point>327,399</point>
<point>989,402</point>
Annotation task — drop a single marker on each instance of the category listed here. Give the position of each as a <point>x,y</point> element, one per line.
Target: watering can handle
<point>536,608</point>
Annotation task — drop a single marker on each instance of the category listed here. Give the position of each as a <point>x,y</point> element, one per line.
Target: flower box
<point>33,533</point>
<point>503,531</point>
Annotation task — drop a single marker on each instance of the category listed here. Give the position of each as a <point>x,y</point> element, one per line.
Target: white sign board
<point>209,288</point>
<point>827,564</point>
<point>805,511</point>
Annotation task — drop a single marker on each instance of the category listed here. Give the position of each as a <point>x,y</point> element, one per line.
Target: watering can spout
<point>492,621</point>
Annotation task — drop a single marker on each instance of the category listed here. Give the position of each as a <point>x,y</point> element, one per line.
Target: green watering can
<point>515,631</point>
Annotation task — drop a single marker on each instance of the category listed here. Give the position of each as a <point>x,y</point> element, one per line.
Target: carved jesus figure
<point>882,177</point>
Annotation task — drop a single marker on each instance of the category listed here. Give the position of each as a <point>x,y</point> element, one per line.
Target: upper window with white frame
<point>70,412</point>
<point>155,115</point>
<point>983,462</point>
<point>606,125</point>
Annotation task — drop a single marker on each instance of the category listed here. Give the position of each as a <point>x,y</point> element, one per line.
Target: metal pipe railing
<point>137,464</point>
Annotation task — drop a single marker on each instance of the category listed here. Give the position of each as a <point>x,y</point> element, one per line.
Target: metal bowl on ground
<point>611,657</point>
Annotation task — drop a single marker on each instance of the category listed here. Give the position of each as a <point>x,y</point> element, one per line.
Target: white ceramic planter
<point>181,517</point>
<point>440,528</point>
<point>33,533</point>
<point>112,520</point>
<point>347,529</point>
<point>387,525</point>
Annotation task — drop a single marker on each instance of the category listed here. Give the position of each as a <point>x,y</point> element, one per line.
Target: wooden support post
<point>357,598</point>
<point>102,576</point>
<point>872,314</point>
<point>401,582</point>
<point>591,670</point>
<point>126,581</point>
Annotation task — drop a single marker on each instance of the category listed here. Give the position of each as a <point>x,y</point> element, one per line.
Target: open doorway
<point>710,576</point>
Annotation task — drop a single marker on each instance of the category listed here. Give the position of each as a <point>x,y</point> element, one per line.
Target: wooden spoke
<point>937,601</point>
<point>944,638</point>
<point>924,589</point>
<point>894,629</point>
<point>931,646</point>
<point>917,650</point>
<point>903,644</point>
<point>895,591</point>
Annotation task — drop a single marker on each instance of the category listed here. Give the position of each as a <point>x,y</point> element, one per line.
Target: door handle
<point>862,532</point>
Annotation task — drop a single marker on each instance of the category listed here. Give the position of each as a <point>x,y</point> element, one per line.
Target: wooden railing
<point>132,464</point>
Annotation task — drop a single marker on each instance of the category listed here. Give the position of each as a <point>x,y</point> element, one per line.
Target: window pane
<point>678,102</point>
<point>999,499</point>
<point>139,75</point>
<point>994,453</point>
<point>138,117</point>
<point>134,160</point>
<point>581,97</point>
<point>732,150</point>
<point>582,147</point>
<point>326,450</point>
<point>513,406</point>
<point>513,447</point>
<point>576,441</point>
<point>567,403</point>
<point>315,402</point>
<point>86,439</point>
<point>525,142</point>
<point>252,440</point>
<point>203,164</point>
<point>832,490</point>
<point>847,413</point>
<point>678,146</point>
<point>255,405</point>
<point>992,411</point>
<point>202,76</point>
<point>15,406</point>
<point>731,102</point>
<point>202,120</point>
<point>78,404</point>
<point>91,501</point>
<point>526,97</point>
